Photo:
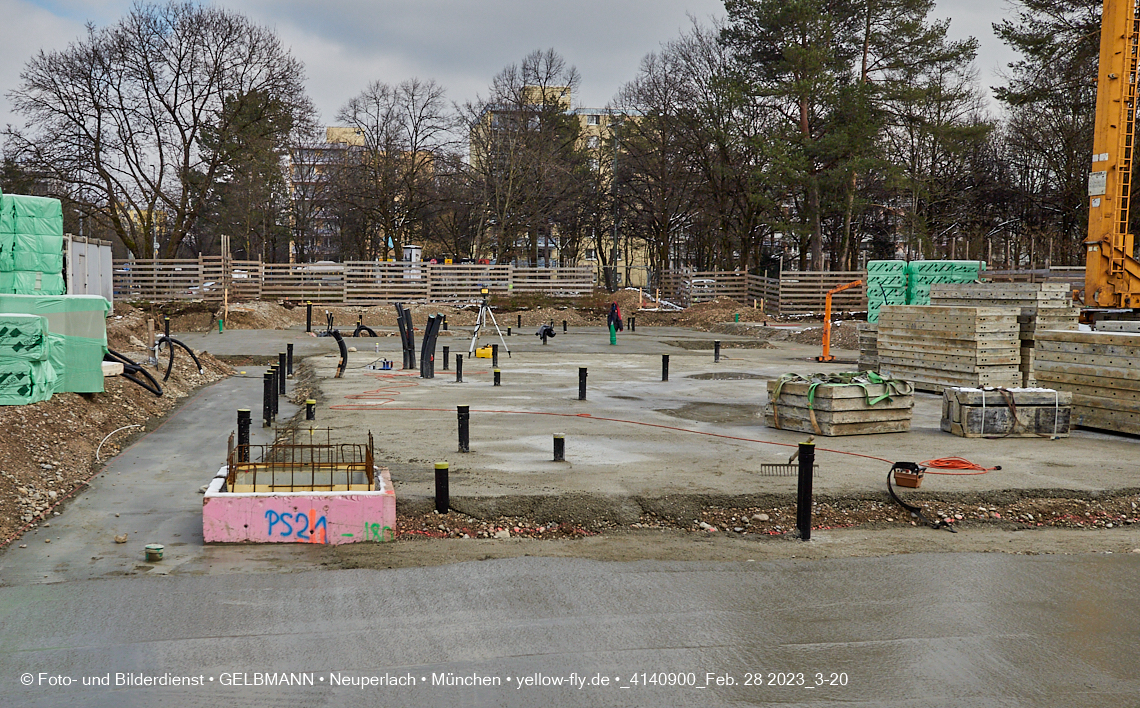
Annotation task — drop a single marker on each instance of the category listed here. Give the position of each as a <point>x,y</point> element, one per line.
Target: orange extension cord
<point>386,394</point>
<point>956,463</point>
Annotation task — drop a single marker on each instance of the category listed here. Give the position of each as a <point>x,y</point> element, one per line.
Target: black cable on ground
<point>131,370</point>
<point>170,342</point>
<point>915,510</point>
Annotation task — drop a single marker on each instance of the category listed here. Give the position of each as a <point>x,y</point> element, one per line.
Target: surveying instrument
<point>481,323</point>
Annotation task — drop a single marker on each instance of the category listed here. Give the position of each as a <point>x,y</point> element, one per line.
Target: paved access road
<point>919,630</point>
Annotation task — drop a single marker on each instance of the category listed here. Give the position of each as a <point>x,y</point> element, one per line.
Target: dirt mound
<point>51,448</point>
<point>843,336</point>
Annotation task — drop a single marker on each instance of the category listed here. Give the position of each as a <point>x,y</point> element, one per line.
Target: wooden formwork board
<point>800,421</point>
<point>1118,421</point>
<point>936,312</point>
<point>954,361</point>
<point>1123,339</point>
<point>1098,349</point>
<point>990,344</point>
<point>1112,364</point>
<point>1110,396</point>
<point>936,381</point>
<point>1064,377</point>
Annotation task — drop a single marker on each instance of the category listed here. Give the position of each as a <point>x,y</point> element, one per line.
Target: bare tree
<point>524,152</point>
<point>399,132</point>
<point>119,115</point>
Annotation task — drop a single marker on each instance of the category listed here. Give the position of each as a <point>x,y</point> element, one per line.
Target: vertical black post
<point>508,331</point>
<point>494,356</point>
<point>445,327</point>
<point>446,357</point>
<point>308,317</point>
<point>497,379</point>
<point>664,367</point>
<point>632,324</point>
<point>273,390</point>
<point>581,383</point>
<point>442,493</point>
<point>716,350</point>
<point>520,322</point>
<point>266,406</point>
<point>464,415</point>
<point>458,368</point>
<point>803,493</point>
<point>559,447</point>
<point>563,325</point>
<point>544,330</point>
<point>310,409</point>
<point>289,358</point>
<point>166,325</point>
<point>282,371</point>
<point>243,434</point>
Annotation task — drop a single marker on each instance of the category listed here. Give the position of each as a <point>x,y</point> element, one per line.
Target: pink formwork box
<point>330,517</point>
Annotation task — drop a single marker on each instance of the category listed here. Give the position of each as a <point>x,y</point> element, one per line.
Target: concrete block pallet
<point>835,409</point>
<point>1007,413</point>
<point>1100,369</point>
<point>936,347</point>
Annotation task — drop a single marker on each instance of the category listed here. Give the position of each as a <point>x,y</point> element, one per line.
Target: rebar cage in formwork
<point>299,463</point>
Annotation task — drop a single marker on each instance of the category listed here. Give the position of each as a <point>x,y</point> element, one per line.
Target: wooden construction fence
<point>355,282</point>
<point>793,293</point>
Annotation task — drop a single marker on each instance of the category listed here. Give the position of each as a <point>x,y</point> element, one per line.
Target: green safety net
<point>23,337</point>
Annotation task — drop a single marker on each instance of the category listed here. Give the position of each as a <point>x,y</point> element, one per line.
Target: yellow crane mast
<point>1112,274</point>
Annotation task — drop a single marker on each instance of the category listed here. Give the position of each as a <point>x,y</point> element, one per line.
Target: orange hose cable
<point>955,463</point>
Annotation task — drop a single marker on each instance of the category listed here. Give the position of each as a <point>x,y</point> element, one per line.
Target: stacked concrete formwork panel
<point>937,347</point>
<point>31,245</point>
<point>1100,369</point>
<point>1042,306</point>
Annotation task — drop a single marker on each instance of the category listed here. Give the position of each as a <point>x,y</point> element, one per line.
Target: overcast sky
<point>462,44</point>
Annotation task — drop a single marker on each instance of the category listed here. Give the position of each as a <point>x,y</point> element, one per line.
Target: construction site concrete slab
<point>639,444</point>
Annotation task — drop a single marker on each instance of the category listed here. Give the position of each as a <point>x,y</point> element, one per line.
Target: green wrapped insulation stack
<point>922,274</point>
<point>26,374</point>
<point>31,245</point>
<point>77,336</point>
<point>23,382</point>
<point>903,283</point>
<point>23,337</point>
<point>886,285</point>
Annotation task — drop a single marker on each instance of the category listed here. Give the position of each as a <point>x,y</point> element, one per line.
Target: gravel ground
<point>1107,513</point>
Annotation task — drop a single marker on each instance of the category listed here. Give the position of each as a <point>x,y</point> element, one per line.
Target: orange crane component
<point>1112,273</point>
<point>827,319</point>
